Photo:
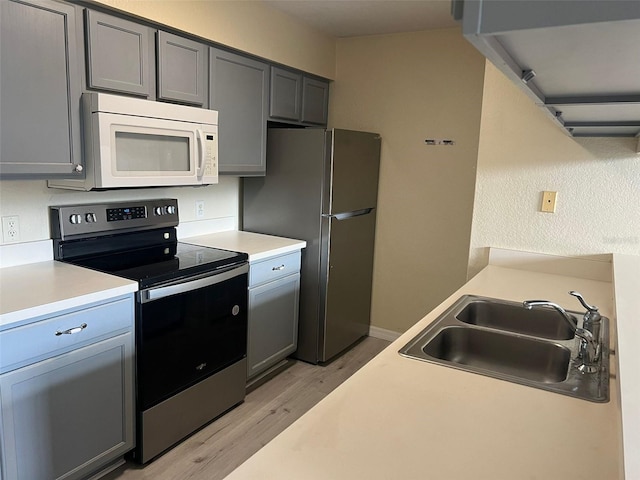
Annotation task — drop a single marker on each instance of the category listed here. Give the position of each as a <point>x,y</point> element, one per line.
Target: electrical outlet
<point>11,229</point>
<point>199,208</point>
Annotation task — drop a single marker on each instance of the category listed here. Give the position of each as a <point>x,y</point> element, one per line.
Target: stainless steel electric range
<point>191,312</point>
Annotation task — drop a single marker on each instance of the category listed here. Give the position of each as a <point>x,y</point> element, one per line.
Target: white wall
<point>30,199</point>
<point>409,87</point>
<point>523,153</point>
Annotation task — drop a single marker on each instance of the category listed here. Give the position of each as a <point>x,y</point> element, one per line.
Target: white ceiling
<point>352,18</point>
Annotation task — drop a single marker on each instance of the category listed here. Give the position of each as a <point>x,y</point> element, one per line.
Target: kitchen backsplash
<point>29,200</point>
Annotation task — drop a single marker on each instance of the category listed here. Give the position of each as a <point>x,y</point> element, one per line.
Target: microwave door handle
<point>200,137</point>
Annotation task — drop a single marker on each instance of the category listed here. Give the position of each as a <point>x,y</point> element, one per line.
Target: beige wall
<point>246,25</point>
<point>409,87</point>
<point>523,153</point>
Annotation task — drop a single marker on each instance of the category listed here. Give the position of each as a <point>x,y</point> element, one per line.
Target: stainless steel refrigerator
<point>322,186</point>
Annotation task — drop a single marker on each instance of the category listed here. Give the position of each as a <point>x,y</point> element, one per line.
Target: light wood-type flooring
<point>216,450</point>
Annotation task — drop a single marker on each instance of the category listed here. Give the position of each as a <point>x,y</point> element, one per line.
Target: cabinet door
<point>39,89</point>
<point>182,73</point>
<point>119,55</point>
<point>273,323</point>
<point>239,91</point>
<point>315,101</point>
<point>67,416</point>
<point>286,94</point>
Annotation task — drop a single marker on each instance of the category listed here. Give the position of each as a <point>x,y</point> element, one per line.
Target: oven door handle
<point>151,294</point>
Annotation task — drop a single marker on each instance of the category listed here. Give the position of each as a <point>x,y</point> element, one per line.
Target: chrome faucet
<point>589,352</point>
<point>592,319</point>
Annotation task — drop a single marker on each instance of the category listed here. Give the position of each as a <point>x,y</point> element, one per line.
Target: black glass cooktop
<point>161,263</point>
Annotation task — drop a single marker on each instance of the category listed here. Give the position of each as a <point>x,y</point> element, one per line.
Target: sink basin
<point>527,358</point>
<point>503,340</point>
<point>515,318</point>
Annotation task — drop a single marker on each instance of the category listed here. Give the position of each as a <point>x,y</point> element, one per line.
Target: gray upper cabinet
<point>315,100</point>
<point>120,55</point>
<point>182,70</point>
<point>297,98</point>
<point>39,89</point>
<point>580,61</point>
<point>239,91</point>
<point>286,95</point>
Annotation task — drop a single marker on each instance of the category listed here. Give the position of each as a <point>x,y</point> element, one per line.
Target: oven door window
<point>187,337</point>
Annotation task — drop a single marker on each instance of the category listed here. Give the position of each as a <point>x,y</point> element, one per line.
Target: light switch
<point>549,202</point>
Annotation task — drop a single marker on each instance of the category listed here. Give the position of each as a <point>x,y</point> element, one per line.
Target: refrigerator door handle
<point>345,215</point>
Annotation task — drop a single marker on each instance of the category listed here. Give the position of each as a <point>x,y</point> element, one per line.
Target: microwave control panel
<point>210,154</point>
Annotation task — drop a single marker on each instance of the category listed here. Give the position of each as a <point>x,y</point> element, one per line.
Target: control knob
<point>90,217</point>
<point>171,209</point>
<point>158,211</point>
<point>75,219</point>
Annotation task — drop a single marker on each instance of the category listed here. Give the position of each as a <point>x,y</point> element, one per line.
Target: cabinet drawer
<point>273,268</point>
<point>37,341</point>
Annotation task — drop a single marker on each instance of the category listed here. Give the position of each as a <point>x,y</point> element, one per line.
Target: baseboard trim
<point>383,334</point>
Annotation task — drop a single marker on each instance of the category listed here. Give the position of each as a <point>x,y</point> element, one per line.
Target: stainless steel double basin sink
<point>504,340</point>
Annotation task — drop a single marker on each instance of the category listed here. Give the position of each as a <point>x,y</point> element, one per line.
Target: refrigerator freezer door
<point>348,260</point>
<point>353,169</point>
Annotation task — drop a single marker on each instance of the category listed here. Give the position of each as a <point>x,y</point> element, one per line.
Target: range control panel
<point>76,221</point>
<point>126,213</point>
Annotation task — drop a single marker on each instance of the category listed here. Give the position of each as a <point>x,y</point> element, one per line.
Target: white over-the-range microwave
<point>130,142</point>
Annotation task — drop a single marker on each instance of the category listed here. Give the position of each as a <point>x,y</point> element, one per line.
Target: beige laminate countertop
<point>35,289</point>
<point>256,245</point>
<point>399,418</point>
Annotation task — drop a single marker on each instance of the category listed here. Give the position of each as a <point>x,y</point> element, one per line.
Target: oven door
<point>189,330</point>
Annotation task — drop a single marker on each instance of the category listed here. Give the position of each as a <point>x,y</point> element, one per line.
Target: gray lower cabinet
<point>182,70</point>
<point>40,88</point>
<point>297,98</point>
<point>120,55</point>
<point>239,91</point>
<point>66,393</point>
<point>274,289</point>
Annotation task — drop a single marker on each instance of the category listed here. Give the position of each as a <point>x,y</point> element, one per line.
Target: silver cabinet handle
<point>71,331</point>
<point>281,267</point>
